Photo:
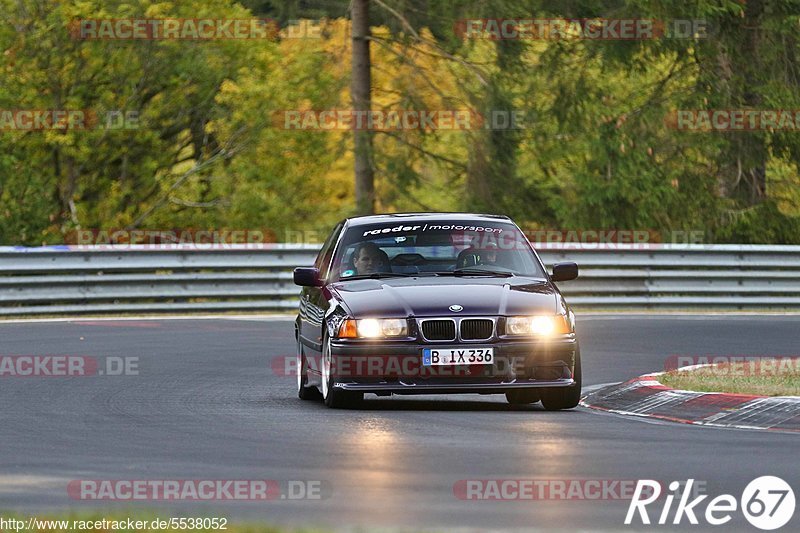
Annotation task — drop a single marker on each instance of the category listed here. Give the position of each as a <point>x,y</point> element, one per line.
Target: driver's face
<point>367,262</point>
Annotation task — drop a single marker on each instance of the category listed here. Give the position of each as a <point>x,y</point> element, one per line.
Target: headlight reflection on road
<point>372,466</point>
<point>375,444</point>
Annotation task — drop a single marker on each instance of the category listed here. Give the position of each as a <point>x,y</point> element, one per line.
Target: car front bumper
<point>396,367</point>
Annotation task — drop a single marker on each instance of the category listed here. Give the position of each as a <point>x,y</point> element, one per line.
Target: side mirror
<point>307,277</point>
<point>564,271</point>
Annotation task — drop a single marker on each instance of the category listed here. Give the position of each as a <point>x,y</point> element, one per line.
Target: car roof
<point>424,217</point>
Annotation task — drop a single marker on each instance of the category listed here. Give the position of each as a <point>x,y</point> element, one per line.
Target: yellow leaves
<point>159,10</point>
<point>281,177</point>
<point>783,184</point>
<point>230,86</point>
<point>58,137</point>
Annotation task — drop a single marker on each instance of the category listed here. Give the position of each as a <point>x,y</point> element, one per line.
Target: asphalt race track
<point>208,404</point>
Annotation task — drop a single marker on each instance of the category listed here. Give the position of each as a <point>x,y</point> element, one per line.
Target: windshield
<point>431,248</point>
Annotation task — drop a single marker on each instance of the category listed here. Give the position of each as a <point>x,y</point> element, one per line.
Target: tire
<point>333,396</point>
<point>522,397</point>
<point>565,397</point>
<point>304,392</point>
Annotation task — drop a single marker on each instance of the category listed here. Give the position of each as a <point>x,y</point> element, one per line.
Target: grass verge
<point>762,377</point>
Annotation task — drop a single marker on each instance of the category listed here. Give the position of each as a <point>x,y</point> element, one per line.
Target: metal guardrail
<point>69,280</point>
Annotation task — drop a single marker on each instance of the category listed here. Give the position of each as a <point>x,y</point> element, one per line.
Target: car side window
<point>324,257</point>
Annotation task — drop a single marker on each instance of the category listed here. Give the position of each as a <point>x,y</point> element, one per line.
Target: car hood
<point>420,297</point>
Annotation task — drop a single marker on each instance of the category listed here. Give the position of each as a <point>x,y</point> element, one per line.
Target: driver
<point>368,258</point>
<point>489,255</point>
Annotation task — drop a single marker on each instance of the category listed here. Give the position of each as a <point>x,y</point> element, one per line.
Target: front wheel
<point>332,395</point>
<point>565,397</point>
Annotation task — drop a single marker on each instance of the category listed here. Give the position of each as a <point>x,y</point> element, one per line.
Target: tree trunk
<point>360,92</point>
<point>744,178</point>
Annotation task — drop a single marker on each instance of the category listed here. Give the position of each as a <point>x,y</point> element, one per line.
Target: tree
<point>57,181</point>
<point>360,93</point>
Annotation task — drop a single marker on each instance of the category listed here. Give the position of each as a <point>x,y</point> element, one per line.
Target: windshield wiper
<point>476,272</point>
<point>378,275</point>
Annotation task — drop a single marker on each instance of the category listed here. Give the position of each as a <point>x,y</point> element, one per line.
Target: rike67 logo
<point>767,503</point>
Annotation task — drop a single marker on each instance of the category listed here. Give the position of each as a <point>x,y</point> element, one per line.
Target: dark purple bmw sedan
<point>435,303</point>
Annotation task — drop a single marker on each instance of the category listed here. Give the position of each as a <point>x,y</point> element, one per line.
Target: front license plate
<point>457,356</point>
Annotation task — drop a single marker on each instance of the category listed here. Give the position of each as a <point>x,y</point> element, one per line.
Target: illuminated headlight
<point>368,328</point>
<point>539,325</point>
<point>371,328</point>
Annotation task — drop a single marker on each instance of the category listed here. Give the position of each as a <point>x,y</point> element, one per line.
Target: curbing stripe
<point>646,397</point>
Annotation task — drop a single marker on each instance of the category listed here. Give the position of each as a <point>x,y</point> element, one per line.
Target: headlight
<point>370,328</point>
<point>539,325</point>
